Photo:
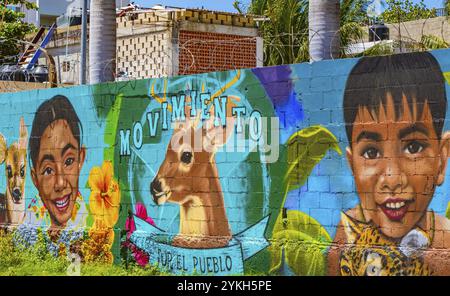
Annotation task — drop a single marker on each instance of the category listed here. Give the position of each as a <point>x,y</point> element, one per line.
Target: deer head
<point>189,169</point>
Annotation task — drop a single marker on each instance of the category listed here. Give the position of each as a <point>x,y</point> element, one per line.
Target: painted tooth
<point>397,205</point>
<point>62,203</point>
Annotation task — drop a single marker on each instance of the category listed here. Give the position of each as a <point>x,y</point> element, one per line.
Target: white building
<point>49,10</point>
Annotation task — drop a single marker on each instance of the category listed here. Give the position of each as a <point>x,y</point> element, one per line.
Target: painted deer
<point>12,203</point>
<point>188,176</point>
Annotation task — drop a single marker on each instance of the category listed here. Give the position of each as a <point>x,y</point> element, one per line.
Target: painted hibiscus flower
<point>104,200</point>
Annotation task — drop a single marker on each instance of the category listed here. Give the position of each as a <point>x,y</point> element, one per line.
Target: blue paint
<point>228,260</point>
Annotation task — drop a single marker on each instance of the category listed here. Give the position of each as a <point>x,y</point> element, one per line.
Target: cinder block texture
<point>328,168</point>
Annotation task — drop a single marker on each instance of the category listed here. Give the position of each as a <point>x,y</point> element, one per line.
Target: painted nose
<point>155,188</point>
<point>393,178</point>
<point>16,194</point>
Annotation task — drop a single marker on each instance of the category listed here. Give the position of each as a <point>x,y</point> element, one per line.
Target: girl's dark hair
<point>416,75</point>
<point>58,107</point>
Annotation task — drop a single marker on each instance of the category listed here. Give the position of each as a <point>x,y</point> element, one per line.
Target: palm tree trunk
<point>102,41</point>
<point>324,21</point>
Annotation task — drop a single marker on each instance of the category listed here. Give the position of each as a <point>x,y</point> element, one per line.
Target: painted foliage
<point>336,167</point>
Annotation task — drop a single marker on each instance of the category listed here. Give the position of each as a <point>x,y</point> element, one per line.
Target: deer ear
<point>178,125</point>
<point>3,149</point>
<point>217,136</point>
<point>352,228</point>
<point>189,122</point>
<point>23,135</point>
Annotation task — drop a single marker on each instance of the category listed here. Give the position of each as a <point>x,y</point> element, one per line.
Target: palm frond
<point>351,33</point>
<point>430,42</point>
<point>379,49</point>
<point>237,5</point>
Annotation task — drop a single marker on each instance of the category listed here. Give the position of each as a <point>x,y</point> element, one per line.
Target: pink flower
<point>140,256</point>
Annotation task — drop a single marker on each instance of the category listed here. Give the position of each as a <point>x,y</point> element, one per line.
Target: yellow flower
<point>97,248</point>
<point>42,212</point>
<point>62,252</point>
<point>101,233</point>
<point>104,200</point>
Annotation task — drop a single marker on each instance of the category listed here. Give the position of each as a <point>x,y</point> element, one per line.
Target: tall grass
<point>36,261</point>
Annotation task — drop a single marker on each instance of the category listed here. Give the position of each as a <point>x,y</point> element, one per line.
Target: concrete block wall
<point>414,30</point>
<point>155,44</point>
<point>335,167</point>
<point>194,41</point>
<point>146,55</point>
<point>220,18</point>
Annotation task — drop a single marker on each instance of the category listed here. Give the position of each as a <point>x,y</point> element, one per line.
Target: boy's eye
<point>414,147</point>
<point>47,171</point>
<point>69,161</point>
<point>371,153</point>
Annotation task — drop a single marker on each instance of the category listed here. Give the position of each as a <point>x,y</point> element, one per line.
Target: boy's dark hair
<point>58,107</point>
<point>416,75</point>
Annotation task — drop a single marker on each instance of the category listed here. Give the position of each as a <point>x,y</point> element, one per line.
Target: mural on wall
<point>57,156</point>
<point>15,159</point>
<point>398,152</point>
<point>329,168</point>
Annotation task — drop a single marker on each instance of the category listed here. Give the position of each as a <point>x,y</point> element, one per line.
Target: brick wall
<point>206,52</point>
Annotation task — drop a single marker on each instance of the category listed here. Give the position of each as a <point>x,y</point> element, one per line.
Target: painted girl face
<point>57,171</point>
<point>397,164</point>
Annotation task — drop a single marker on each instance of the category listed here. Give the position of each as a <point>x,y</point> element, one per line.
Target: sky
<point>220,5</point>
<point>227,5</point>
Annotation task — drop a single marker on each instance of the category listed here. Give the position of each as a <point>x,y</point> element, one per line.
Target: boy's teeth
<point>395,205</point>
<point>62,203</point>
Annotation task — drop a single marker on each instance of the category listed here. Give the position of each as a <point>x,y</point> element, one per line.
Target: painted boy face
<point>397,164</point>
<point>57,171</point>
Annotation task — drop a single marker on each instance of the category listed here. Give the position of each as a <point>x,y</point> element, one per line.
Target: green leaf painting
<point>112,122</point>
<point>306,148</point>
<point>303,241</point>
<point>447,213</point>
<point>447,77</point>
<point>297,236</point>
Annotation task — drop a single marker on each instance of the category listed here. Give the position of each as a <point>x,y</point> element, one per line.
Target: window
<point>15,8</point>
<point>66,66</point>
